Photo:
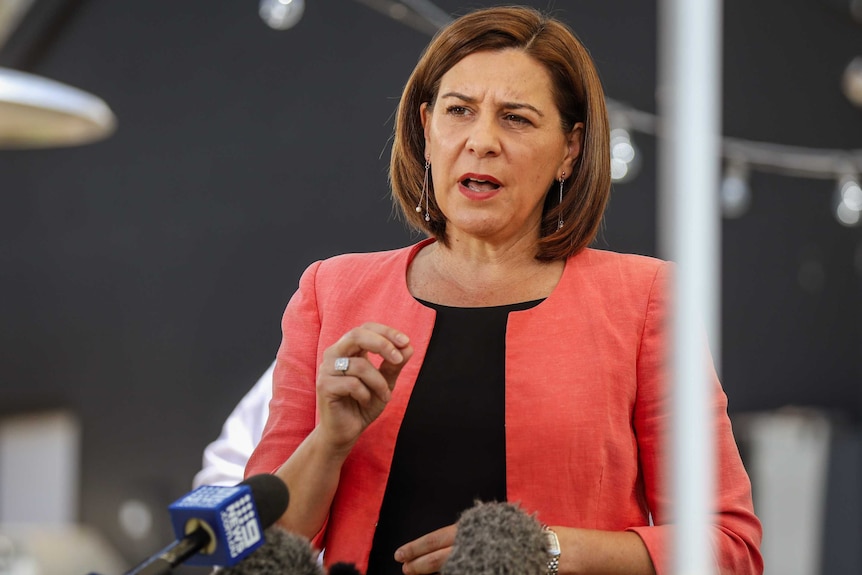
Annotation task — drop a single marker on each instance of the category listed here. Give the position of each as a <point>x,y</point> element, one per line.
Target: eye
<point>517,120</point>
<point>456,110</point>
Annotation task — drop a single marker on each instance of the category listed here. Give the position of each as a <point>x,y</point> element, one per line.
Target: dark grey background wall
<point>143,277</point>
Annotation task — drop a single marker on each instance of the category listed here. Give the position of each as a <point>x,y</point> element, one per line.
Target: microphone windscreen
<point>497,539</point>
<point>270,497</point>
<point>283,553</point>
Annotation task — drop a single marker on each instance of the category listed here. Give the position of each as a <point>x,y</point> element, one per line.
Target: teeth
<point>480,185</point>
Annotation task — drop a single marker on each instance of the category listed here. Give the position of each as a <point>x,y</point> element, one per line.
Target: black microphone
<point>344,569</point>
<point>497,539</point>
<point>219,525</point>
<point>284,552</point>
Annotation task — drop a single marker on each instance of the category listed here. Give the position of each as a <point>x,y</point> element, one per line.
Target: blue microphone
<point>219,525</point>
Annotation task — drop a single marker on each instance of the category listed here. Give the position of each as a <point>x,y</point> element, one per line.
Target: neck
<point>474,275</point>
<point>480,254</point>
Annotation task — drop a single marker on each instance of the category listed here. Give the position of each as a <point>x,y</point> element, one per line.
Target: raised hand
<point>351,391</point>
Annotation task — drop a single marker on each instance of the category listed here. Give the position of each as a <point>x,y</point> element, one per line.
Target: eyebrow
<point>507,105</point>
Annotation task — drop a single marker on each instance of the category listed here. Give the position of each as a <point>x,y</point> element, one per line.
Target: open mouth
<point>479,185</point>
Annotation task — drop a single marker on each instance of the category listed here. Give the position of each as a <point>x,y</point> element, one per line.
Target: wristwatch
<point>553,550</point>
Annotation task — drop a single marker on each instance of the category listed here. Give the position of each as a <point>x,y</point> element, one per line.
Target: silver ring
<point>342,364</point>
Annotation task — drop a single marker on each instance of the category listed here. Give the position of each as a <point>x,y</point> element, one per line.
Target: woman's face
<point>495,143</point>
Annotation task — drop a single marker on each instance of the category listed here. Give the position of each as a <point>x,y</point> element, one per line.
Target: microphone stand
<point>173,554</point>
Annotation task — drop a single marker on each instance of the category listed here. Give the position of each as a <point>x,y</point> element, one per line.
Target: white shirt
<point>225,458</point>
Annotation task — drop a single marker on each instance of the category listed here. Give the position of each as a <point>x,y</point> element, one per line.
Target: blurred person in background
<point>225,458</point>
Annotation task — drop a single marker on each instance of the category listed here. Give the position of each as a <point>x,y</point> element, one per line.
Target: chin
<point>476,228</point>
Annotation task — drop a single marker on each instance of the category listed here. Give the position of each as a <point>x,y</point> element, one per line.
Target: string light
<point>848,201</point>
<point>744,156</point>
<point>625,158</point>
<point>851,82</point>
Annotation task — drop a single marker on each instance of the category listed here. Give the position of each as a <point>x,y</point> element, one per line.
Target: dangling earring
<point>562,181</point>
<point>424,193</point>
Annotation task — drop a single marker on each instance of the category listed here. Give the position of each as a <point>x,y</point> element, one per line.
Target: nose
<point>483,139</point>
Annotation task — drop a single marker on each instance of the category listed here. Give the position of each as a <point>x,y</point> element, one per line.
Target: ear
<point>425,114</point>
<point>575,143</point>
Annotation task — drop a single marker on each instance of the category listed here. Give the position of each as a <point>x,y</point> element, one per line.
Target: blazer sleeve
<point>736,531</point>
<point>292,410</point>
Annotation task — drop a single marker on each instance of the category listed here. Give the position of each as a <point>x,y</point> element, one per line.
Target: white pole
<point>689,100</point>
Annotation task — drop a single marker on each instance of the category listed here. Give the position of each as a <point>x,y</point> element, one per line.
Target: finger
<point>359,368</point>
<point>390,371</point>
<point>430,563</point>
<point>397,337</point>
<point>429,543</point>
<point>349,387</point>
<point>376,338</point>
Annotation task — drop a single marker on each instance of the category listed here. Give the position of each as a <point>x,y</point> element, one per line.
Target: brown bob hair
<point>577,93</point>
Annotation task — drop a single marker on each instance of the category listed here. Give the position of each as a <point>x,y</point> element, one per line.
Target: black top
<point>451,448</point>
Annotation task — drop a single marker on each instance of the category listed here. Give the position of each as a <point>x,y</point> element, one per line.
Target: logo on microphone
<point>241,526</point>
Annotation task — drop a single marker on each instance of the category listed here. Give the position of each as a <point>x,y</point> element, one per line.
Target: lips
<point>481,183</point>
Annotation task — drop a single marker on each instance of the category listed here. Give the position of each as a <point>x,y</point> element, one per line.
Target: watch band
<point>553,565</point>
<point>553,550</point>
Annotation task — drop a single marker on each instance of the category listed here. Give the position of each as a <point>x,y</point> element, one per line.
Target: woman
<point>501,358</point>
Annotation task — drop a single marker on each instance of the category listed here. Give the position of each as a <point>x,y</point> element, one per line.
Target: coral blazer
<point>586,403</point>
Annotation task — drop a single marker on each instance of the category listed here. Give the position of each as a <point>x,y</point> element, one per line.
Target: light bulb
<point>848,201</point>
<point>625,158</point>
<point>734,192</point>
<point>852,81</point>
<point>281,14</point>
